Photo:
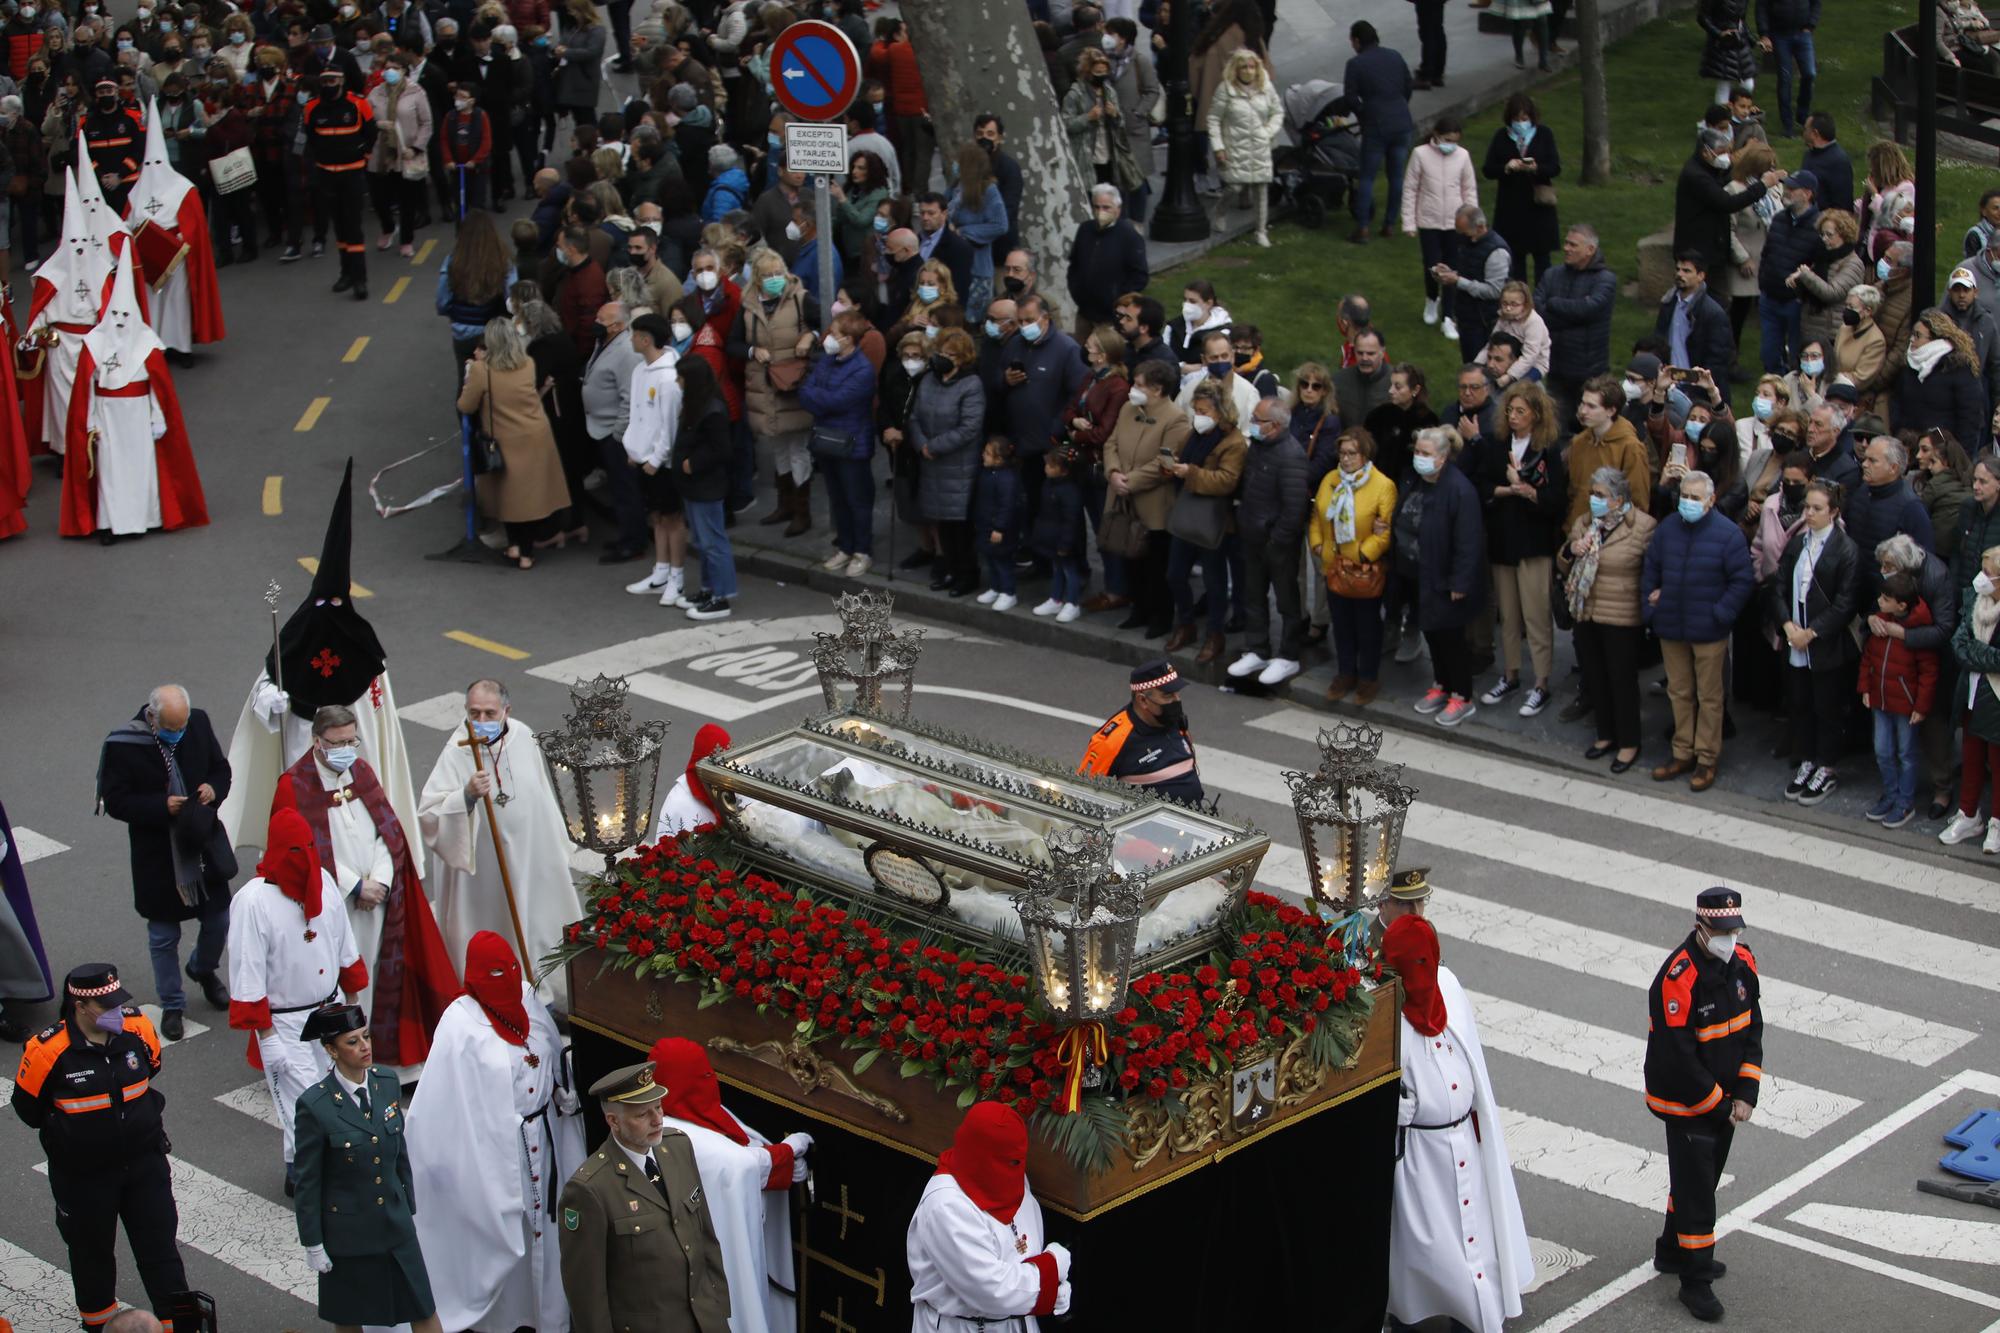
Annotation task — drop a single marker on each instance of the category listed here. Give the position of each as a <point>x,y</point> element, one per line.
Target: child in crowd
<point>1898,684</point>
<point>996,521</point>
<point>1059,536</point>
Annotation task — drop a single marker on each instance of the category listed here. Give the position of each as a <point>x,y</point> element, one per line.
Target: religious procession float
<point>894,921</point>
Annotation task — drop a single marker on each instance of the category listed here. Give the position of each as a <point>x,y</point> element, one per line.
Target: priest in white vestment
<point>748,1181</point>
<point>689,804</point>
<point>69,290</point>
<point>975,1246</point>
<point>466,889</point>
<point>290,951</point>
<point>494,1134</point>
<point>327,653</point>
<point>170,232</point>
<point>1457,1245</point>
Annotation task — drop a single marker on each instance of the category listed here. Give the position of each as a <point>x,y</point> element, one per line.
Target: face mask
<point>1692,510</point>
<point>1722,161</point>
<point>124,44</point>
<point>1136,397</point>
<point>1695,428</point>
<point>1108,42</point>
<point>913,366</point>
<point>1030,332</point>
<point>1203,424</point>
<point>1722,946</point>
<point>1982,583</point>
<point>1908,226</point>
<point>1221,370</point>
<point>488,731</point>
<point>1795,493</point>
<point>340,758</point>
<point>27,13</point>
<point>831,344</point>
<point>1192,313</point>
<point>1851,318</point>
<point>942,365</point>
<point>1014,286</point>
<point>1425,465</point>
<point>1599,506</point>
<point>1447,148</point>
<point>172,736</point>
<point>774,285</point>
<point>188,25</point>
<point>992,329</point>
<point>1634,390</point>
<point>1813,366</point>
<point>792,231</point>
<point>304,97</point>
<point>112,1020</point>
<point>464,106</point>
<point>201,53</point>
<point>927,293</point>
<point>707,279</point>
<point>392,77</point>
<point>1174,716</point>
<point>881,226</point>
<point>930,333</point>
<point>1883,268</point>
<point>1762,408</point>
<point>1522,129</point>
<point>144,13</point>
<point>682,332</point>
<point>170,54</point>
<point>236,39</point>
<point>1254,431</point>
<point>876,107</point>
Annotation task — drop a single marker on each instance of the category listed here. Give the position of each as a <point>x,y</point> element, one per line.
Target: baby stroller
<point>1316,172</point>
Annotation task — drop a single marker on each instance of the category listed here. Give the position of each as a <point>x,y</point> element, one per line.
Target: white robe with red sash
<point>170,229</point>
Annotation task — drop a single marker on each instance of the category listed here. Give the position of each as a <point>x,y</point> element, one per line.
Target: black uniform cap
<point>1158,674</point>
<point>1720,909</point>
<point>333,1021</point>
<point>95,981</point>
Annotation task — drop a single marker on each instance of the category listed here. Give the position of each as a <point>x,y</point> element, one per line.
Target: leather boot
<point>802,519</point>
<point>1182,636</point>
<point>1211,649</point>
<point>783,509</point>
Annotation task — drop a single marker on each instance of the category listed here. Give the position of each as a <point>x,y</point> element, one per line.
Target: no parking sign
<point>815,72</point>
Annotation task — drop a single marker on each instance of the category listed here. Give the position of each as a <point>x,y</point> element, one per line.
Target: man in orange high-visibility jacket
<point>1704,1065</point>
<point>1146,742</point>
<point>340,129</point>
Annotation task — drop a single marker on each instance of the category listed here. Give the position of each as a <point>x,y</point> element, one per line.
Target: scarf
<point>1925,359</point>
<point>681,1067</point>
<point>988,1158</point>
<point>1410,945</point>
<point>493,978</point>
<point>707,741</point>
<point>1340,509</point>
<point>1583,571</point>
<point>1985,616</point>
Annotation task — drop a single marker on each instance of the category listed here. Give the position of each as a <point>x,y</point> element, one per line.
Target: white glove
<point>159,429</point>
<point>269,703</point>
<point>316,1259</point>
<point>1062,1300</point>
<point>567,1101</point>
<point>1406,1110</point>
<point>1062,1258</point>
<point>800,1144</point>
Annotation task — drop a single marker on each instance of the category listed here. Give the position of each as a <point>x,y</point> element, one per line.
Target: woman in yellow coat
<point>1349,536</point>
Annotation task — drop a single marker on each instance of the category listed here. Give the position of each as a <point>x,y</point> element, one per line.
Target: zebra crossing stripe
<point>1587,1161</point>
<point>36,1296</point>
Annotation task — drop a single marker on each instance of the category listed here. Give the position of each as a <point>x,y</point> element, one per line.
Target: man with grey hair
<point>1901,554</point>
<point>607,406</point>
<point>1483,266</point>
<point>1107,258</point>
<point>1696,580</point>
<point>491,819</point>
<point>1883,506</point>
<point>162,774</point>
<point>1574,299</point>
<point>1702,200</point>
<point>1271,508</point>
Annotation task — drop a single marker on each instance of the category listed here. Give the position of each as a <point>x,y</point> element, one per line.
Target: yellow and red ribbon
<point>1082,1045</point>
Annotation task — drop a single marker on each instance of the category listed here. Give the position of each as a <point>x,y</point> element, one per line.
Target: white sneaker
<point>672,594</point>
<point>1263,238</point>
<point>1431,311</point>
<point>1277,671</point>
<point>1248,664</point>
<point>1449,328</point>
<point>986,598</point>
<point>1006,601</point>
<point>653,582</point>
<point>1070,611</point>
<point>1992,844</point>
<point>1049,607</point>
<point>838,560</point>
<point>1961,827</point>
<point>858,564</point>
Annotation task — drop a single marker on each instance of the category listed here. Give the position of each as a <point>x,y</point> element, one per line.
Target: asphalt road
<point>1558,896</point>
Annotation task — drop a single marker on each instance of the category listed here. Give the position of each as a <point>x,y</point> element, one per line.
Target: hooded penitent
<point>493,977</point>
<point>1410,946</point>
<point>326,653</point>
<point>988,1158</point>
<point>291,861</point>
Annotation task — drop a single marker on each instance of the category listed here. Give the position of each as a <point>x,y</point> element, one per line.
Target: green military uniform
<point>355,1197</point>
<point>641,1257</point>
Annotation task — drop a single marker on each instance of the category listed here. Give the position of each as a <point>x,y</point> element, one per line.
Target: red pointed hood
<point>988,1158</point>
<point>493,977</point>
<point>291,860</point>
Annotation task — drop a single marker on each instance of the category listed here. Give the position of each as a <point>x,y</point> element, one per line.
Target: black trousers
<point>396,201</point>
<point>236,212</point>
<point>90,1205</point>
<point>1430,38</point>
<point>621,28</point>
<point>1697,1152</point>
<point>342,197</point>
<point>1816,704</point>
<point>1609,658</point>
<point>1146,582</point>
<point>281,213</point>
<point>1273,569</point>
<point>1451,660</point>
<point>956,558</point>
<point>623,485</point>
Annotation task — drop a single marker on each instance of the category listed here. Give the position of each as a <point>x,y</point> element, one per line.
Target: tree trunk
<point>1596,105</point>
<point>981,55</point>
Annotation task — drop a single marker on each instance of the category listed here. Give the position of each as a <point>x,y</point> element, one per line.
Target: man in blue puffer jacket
<point>1696,581</point>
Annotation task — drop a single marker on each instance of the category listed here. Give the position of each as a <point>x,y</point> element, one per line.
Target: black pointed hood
<point>329,654</point>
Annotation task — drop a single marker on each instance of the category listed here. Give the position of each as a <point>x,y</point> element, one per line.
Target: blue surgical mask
<point>172,736</point>
<point>488,731</point>
<point>1695,428</point>
<point>1812,366</point>
<point>112,1020</point>
<point>881,225</point>
<point>1599,506</point>
<point>1425,465</point>
<point>930,332</point>
<point>774,285</point>
<point>1883,268</point>
<point>340,758</point>
<point>392,77</point>
<point>992,329</point>
<point>1692,510</point>
<point>1522,129</point>
<point>1030,332</point>
<point>1762,408</point>
<point>1221,370</point>
<point>1447,148</point>
<point>927,292</point>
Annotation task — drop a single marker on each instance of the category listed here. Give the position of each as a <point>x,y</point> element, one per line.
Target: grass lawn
<point>1291,290</point>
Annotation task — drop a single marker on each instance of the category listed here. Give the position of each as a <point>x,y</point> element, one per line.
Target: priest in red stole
<point>129,466</point>
<point>170,228</point>
<point>363,844</point>
<point>71,288</point>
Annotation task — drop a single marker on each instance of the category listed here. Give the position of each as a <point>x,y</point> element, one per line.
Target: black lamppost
<point>1178,214</point>
<point>1923,260</point>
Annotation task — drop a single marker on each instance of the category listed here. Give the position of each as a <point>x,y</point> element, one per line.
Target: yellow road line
<point>424,252</point>
<point>354,352</point>
<point>396,291</point>
<point>485,645</point>
<point>311,417</point>
<point>274,496</point>
<point>310,563</point>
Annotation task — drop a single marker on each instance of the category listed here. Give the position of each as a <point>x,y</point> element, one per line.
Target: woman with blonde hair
<point>579,61</point>
<point>1753,433</point>
<point>1823,284</point>
<point>1519,319</point>
<point>1939,382</point>
<point>1525,489</point>
<point>1748,230</point>
<point>1888,193</point>
<point>934,288</point>
<point>1091,116</point>
<point>1861,350</point>
<point>502,399</point>
<point>1349,536</point>
<point>1244,119</point>
<point>1210,464</point>
<point>773,335</point>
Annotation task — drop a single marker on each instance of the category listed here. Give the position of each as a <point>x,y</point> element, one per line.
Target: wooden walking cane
<point>500,855</point>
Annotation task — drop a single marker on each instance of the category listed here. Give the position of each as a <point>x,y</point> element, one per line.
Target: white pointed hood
<point>97,211</point>
<point>156,196</point>
<point>122,340</point>
<point>76,271</point>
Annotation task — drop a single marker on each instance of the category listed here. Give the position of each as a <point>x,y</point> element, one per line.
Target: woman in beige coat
<point>773,335</point>
<point>500,396</point>
<point>398,168</point>
<point>1148,433</point>
<point>1600,565</point>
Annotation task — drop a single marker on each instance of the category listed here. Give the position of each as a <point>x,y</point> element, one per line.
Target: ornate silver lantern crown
<point>1350,814</point>
<point>1080,917</point>
<point>867,654</point>
<point>605,768</point>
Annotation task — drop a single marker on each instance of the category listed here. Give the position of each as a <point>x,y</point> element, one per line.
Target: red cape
<point>14,474</point>
<point>414,979</point>
<point>204,294</point>
<point>182,504</point>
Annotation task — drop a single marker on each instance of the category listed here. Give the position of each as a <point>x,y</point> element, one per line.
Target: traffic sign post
<point>815,75</point>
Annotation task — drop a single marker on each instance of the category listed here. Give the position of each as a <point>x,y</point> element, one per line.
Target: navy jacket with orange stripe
<point>1705,1041</point>
<point>95,1106</point>
<point>339,131</point>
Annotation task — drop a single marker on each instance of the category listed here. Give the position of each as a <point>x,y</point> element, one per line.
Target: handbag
<point>786,375</point>
<point>1121,532</point>
<point>1199,520</point>
<point>487,460</point>
<point>1559,598</point>
<point>833,446</point>
<point>416,168</point>
<point>235,170</point>
<point>1126,173</point>
<point>1545,195</point>
<point>1360,579</point>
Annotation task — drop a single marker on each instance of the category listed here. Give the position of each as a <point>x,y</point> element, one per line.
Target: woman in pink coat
<point>1438,182</point>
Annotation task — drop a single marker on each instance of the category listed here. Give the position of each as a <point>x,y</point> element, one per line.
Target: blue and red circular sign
<point>815,71</point>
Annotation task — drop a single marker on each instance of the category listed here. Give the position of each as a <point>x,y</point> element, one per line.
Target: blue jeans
<point>1067,577</point>
<point>742,465</point>
<point>718,561</point>
<point>1896,756</point>
<point>1182,558</point>
<point>998,562</point>
<point>1779,321</point>
<point>1797,46</point>
<point>850,493</point>
<point>163,938</point>
<point>1395,148</point>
